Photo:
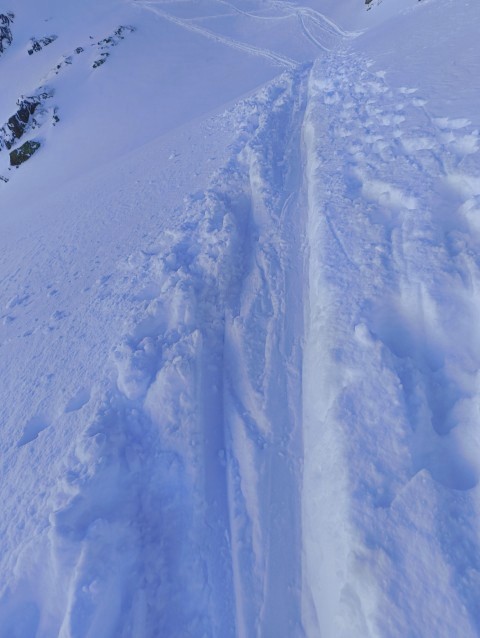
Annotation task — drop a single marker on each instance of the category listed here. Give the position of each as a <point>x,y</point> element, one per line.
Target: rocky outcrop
<point>6,36</point>
<point>37,45</point>
<point>116,37</point>
<point>111,41</point>
<point>33,111</point>
<point>23,119</point>
<point>24,152</point>
<point>101,60</point>
<point>65,60</point>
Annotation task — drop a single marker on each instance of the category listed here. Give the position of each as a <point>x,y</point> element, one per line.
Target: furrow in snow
<point>277,58</point>
<point>262,381</point>
<point>179,498</point>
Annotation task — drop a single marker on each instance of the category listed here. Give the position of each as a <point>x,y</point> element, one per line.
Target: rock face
<point>32,111</point>
<point>23,119</point>
<point>38,45</point>
<point>109,42</point>
<point>103,57</point>
<point>6,37</point>
<point>24,153</point>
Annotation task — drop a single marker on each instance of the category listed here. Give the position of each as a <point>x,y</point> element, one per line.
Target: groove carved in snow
<point>197,441</point>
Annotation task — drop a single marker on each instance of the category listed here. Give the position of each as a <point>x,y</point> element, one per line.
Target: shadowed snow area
<point>239,336</point>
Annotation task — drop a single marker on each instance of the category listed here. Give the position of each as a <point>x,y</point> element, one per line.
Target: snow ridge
<point>393,275</point>
<point>177,502</point>
<point>283,440</point>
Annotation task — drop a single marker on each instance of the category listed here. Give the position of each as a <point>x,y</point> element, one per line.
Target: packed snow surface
<point>239,319</point>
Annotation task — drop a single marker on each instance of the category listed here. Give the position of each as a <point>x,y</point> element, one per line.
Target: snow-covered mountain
<point>239,337</point>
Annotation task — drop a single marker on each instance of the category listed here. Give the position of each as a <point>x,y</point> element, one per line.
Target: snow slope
<point>239,341</point>
<point>392,284</point>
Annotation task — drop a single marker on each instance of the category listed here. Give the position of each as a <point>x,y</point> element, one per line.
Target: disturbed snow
<point>239,333</point>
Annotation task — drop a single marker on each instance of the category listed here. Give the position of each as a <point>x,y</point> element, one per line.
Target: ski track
<point>309,35</point>
<point>329,38</point>
<point>239,419</point>
<point>276,58</point>
<point>255,16</point>
<point>393,298</point>
<point>177,501</point>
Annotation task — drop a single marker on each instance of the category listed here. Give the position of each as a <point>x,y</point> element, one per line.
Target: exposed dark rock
<point>23,119</point>
<point>101,60</point>
<point>64,61</point>
<point>6,36</point>
<point>24,153</point>
<point>119,33</point>
<point>18,122</point>
<point>109,42</point>
<point>38,45</point>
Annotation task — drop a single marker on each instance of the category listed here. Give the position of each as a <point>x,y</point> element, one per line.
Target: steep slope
<point>133,342</point>
<point>239,299</point>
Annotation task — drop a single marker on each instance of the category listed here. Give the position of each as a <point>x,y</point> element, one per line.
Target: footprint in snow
<point>405,90</point>
<point>80,398</point>
<point>21,299</point>
<point>59,314</point>
<point>32,429</point>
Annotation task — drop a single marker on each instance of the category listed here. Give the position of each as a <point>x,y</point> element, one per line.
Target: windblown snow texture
<point>239,339</point>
